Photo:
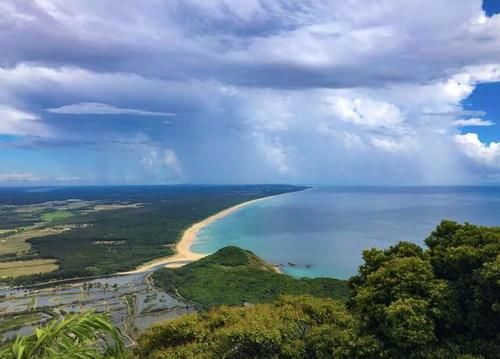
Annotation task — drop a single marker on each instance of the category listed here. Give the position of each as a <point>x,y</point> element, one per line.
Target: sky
<point>354,92</point>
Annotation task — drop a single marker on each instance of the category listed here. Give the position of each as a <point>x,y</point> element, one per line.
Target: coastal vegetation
<point>102,230</point>
<point>405,302</point>
<point>236,276</point>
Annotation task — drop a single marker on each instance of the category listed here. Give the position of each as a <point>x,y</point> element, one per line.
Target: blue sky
<point>324,92</point>
<point>491,7</point>
<point>486,97</point>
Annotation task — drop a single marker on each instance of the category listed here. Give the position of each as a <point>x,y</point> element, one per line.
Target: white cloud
<point>67,179</point>
<point>95,108</point>
<point>17,122</point>
<point>265,110</point>
<point>171,161</point>
<point>18,177</point>
<point>461,85</point>
<point>157,161</point>
<point>456,113</point>
<point>266,42</point>
<point>475,121</point>
<point>484,154</point>
<point>398,146</point>
<point>353,141</point>
<point>365,112</point>
<point>275,153</point>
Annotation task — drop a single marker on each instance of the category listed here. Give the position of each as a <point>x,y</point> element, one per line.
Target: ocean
<point>323,231</point>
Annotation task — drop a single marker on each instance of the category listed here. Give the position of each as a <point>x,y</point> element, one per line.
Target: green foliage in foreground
<point>405,302</point>
<point>86,335</point>
<point>444,299</point>
<point>234,276</point>
<point>293,327</point>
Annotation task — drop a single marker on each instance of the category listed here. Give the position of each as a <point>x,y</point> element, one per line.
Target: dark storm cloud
<point>277,44</point>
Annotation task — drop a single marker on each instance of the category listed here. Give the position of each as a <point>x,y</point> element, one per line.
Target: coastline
<point>183,253</point>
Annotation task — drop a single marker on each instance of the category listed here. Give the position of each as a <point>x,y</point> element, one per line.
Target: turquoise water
<point>321,232</point>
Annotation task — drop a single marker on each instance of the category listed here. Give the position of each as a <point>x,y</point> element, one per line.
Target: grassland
<point>14,244</point>
<point>56,215</point>
<point>27,267</point>
<point>234,276</point>
<point>18,243</point>
<point>44,219</point>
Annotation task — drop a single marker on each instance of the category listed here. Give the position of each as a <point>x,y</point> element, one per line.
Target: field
<point>101,230</point>
<point>13,244</point>
<point>28,267</point>
<point>56,215</point>
<point>18,242</point>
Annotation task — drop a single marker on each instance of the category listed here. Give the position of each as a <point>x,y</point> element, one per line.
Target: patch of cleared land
<point>114,206</point>
<point>70,204</point>
<point>13,245</point>
<point>17,243</point>
<point>34,266</point>
<point>112,243</point>
<point>14,240</point>
<point>56,215</point>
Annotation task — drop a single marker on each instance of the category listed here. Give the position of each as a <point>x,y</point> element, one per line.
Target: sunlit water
<point>322,232</point>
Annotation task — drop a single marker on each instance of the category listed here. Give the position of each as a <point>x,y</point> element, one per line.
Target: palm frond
<point>87,336</point>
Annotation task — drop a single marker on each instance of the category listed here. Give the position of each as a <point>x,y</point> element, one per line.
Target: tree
<point>398,299</point>
<point>292,327</point>
<point>86,335</point>
<point>438,302</point>
<point>468,258</point>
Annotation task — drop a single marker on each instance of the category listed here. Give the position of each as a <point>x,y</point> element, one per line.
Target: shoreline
<point>183,254</point>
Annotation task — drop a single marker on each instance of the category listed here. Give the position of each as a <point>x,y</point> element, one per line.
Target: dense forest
<point>235,276</point>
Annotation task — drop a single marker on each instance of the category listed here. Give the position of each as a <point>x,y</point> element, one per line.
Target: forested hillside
<point>405,302</point>
<point>236,276</point>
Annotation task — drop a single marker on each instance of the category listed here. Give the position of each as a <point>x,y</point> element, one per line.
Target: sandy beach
<point>183,253</point>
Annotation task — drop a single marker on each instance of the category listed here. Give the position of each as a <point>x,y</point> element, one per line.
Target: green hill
<point>235,276</point>
<point>442,301</point>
